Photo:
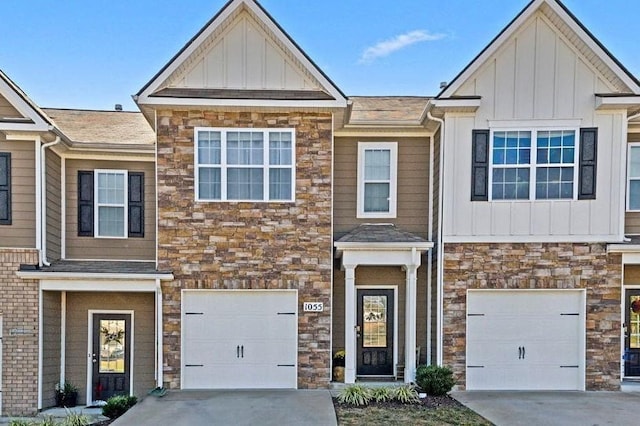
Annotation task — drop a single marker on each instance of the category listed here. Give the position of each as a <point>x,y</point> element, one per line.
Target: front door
<point>632,334</point>
<point>375,332</point>
<point>111,355</point>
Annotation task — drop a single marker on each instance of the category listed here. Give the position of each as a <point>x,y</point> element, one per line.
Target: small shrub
<point>435,380</point>
<point>406,394</point>
<point>48,421</point>
<point>355,395</point>
<point>381,394</point>
<point>75,419</point>
<point>21,422</point>
<point>118,405</point>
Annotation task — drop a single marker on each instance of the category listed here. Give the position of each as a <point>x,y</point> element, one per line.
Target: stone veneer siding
<point>19,311</point>
<point>538,266</point>
<point>248,245</point>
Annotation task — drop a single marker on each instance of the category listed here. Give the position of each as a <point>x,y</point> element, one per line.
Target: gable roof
<point>326,94</point>
<point>589,42</point>
<point>32,117</point>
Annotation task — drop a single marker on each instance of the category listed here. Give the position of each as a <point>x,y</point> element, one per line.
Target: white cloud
<point>387,47</point>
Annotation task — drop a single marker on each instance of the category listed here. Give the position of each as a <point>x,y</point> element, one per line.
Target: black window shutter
<point>587,163</point>
<point>5,188</point>
<point>480,165</point>
<point>136,204</point>
<point>85,204</point>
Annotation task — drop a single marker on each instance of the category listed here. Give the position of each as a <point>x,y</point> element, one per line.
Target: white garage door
<point>525,340</point>
<point>239,339</point>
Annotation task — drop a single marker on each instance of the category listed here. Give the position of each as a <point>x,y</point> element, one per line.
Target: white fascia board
<point>473,103</point>
<point>594,46</point>
<point>311,67</point>
<point>253,103</point>
<point>40,126</point>
<point>351,246</point>
<point>631,258</point>
<point>49,276</point>
<point>130,286</point>
<point>23,107</point>
<point>176,62</point>
<point>537,124</point>
<point>533,239</point>
<point>623,248</point>
<point>617,102</point>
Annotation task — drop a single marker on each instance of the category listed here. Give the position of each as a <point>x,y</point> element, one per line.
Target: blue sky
<point>96,53</point>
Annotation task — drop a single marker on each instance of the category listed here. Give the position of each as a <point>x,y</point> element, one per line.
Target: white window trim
<point>265,166</point>
<point>393,180</point>
<point>97,204</point>
<point>533,162</point>
<point>630,146</point>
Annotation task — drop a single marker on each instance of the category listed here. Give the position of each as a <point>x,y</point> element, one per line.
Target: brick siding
<point>19,311</point>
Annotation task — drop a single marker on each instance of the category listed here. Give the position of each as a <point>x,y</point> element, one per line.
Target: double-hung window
<point>111,203</point>
<point>377,179</point>
<point>245,164</point>
<point>533,164</point>
<point>633,178</point>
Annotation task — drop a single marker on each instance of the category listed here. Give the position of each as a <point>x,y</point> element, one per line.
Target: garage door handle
<point>242,351</point>
<point>238,351</point>
<point>519,352</point>
<point>524,352</point>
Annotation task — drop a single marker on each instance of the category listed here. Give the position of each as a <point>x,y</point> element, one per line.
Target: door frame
<point>395,321</point>
<point>623,320</point>
<point>91,313</point>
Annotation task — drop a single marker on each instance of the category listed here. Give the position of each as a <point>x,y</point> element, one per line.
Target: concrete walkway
<point>233,407</point>
<point>554,408</point>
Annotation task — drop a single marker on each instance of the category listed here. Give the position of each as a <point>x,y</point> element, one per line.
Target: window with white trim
<point>111,203</point>
<point>533,164</point>
<point>245,164</point>
<point>377,179</point>
<point>633,178</point>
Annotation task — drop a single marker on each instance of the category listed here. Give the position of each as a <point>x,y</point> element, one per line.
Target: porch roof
<point>95,269</point>
<point>380,233</point>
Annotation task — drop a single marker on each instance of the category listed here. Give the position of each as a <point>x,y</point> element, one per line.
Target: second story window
<point>633,178</point>
<point>111,203</point>
<point>531,164</point>
<point>245,164</point>
<point>377,179</point>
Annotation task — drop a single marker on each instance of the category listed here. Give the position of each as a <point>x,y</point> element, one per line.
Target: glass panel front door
<point>632,334</point>
<point>375,335</point>
<point>111,355</point>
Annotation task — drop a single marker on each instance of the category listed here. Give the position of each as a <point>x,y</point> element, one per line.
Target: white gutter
<point>440,243</point>
<point>43,199</point>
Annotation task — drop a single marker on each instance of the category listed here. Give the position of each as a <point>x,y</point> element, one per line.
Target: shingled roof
<point>381,109</point>
<point>103,127</point>
<point>380,233</point>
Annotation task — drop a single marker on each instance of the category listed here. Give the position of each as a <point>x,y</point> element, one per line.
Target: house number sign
<point>313,306</point>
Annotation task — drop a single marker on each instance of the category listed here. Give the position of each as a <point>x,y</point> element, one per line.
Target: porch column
<point>410,324</point>
<point>350,323</point>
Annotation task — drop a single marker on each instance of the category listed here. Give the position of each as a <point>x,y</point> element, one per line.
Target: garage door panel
<point>525,340</point>
<point>240,339</point>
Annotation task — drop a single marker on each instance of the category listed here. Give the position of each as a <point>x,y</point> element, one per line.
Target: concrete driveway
<point>554,408</point>
<point>233,407</point>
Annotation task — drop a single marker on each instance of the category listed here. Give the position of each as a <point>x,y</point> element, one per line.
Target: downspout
<point>440,250</point>
<point>43,195</point>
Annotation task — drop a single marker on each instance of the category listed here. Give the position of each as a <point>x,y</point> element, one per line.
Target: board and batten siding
<point>54,196</point>
<point>110,248</point>
<point>244,56</point>
<point>413,185</point>
<point>22,231</point>
<point>537,77</point>
<point>632,219</point>
<point>143,305</point>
